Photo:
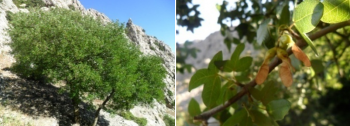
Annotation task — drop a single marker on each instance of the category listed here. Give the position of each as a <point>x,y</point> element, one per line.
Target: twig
<point>300,42</point>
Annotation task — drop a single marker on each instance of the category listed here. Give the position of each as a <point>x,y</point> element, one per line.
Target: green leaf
<point>236,41</point>
<point>223,29</point>
<point>200,77</point>
<point>285,15</point>
<point>228,43</point>
<point>246,121</point>
<point>193,108</point>
<point>220,64</point>
<point>244,63</point>
<point>307,15</point>
<point>336,11</point>
<point>260,119</point>
<point>239,49</point>
<point>217,57</point>
<point>270,42</point>
<point>256,93</point>
<point>268,92</point>
<point>226,93</point>
<point>308,41</point>
<point>218,7</point>
<point>263,31</point>
<point>243,76</point>
<point>223,115</point>
<point>317,66</point>
<point>229,66</point>
<point>277,109</point>
<point>211,91</point>
<point>236,118</point>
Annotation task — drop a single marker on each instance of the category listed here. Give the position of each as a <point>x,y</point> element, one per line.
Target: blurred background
<point>319,94</point>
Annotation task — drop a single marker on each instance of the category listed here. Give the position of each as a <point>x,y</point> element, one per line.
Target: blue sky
<point>157,17</point>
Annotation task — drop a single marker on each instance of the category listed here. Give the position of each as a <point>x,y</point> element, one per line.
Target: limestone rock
<point>94,13</point>
<point>150,45</point>
<point>154,116</point>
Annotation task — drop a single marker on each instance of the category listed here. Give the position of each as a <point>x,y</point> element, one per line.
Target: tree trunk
<point>97,113</point>
<point>76,102</point>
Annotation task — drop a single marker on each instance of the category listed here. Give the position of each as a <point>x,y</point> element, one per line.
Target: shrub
<point>169,121</point>
<point>129,116</point>
<point>8,15</point>
<point>151,47</point>
<point>29,3</point>
<point>92,57</point>
<point>71,7</point>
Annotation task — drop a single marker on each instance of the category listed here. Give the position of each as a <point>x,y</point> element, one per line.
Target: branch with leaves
<point>300,42</point>
<point>226,81</point>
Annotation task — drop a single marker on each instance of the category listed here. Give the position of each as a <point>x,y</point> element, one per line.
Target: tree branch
<point>300,42</point>
<point>97,113</point>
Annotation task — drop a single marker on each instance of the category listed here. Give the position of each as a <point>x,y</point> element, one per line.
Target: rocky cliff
<point>149,45</point>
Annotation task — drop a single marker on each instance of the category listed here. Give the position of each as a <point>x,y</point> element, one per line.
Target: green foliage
<point>285,15</point>
<point>317,66</point>
<point>211,81</point>
<point>151,47</point>
<point>145,87</point>
<point>261,119</point>
<point>9,15</point>
<point>185,19</point>
<point>161,48</point>
<point>92,57</point>
<point>226,92</point>
<point>129,116</point>
<point>181,54</point>
<point>169,121</point>
<point>278,108</point>
<point>244,63</point>
<point>306,17</point>
<point>263,32</point>
<point>341,8</point>
<point>313,97</point>
<point>29,3</point>
<point>193,108</point>
<point>267,93</point>
<point>231,64</point>
<point>71,7</point>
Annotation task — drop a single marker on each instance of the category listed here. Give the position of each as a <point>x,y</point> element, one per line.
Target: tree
<point>227,84</point>
<point>93,58</point>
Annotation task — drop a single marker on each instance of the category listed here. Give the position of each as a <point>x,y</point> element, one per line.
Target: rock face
<point>152,46</point>
<point>149,45</point>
